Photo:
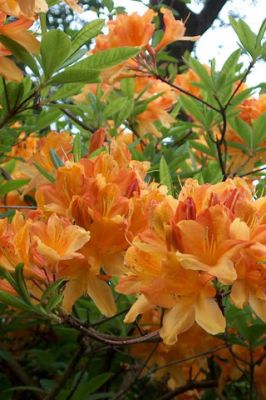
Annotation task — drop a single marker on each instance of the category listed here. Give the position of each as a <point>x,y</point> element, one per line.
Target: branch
<point>74,118</point>
<point>108,339</point>
<point>157,76</point>
<point>209,14</point>
<point>183,360</point>
<point>189,386</point>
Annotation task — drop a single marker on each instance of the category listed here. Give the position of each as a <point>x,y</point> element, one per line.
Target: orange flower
<point>127,30</point>
<point>26,8</point>
<point>174,30</point>
<point>16,31</point>
<point>59,240</point>
<point>81,281</point>
<point>154,271</point>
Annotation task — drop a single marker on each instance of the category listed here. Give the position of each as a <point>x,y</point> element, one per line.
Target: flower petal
<point>101,294</point>
<point>140,306</point>
<point>209,315</point>
<point>177,320</point>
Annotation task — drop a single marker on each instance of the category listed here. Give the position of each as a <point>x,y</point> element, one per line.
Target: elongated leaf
<point>165,176</point>
<point>21,53</point>
<point>245,35</point>
<point>202,73</point>
<point>21,284</point>
<point>259,130</point>
<point>56,160</point>
<point>88,32</point>
<point>192,107</point>
<point>108,58</point>
<point>55,48</point>
<point>13,301</point>
<point>12,185</point>
<point>74,74</point>
<point>77,148</point>
<point>46,174</point>
<point>244,130</point>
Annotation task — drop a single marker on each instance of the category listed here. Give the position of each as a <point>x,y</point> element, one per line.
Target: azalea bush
<point>133,211</point>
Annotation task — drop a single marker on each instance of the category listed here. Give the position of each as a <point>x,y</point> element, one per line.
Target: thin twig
<point>108,339</point>
<point>182,360</point>
<point>74,118</point>
<point>189,386</point>
<point>251,65</point>
<point>255,171</point>
<point>187,93</point>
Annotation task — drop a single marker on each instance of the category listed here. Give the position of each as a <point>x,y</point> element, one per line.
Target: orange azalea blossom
<point>17,31</point>
<point>97,194</point>
<point>25,147</point>
<point>174,30</point>
<point>29,8</point>
<point>248,227</point>
<point>25,8</point>
<point>82,280</point>
<point>155,271</point>
<point>173,262</point>
<point>158,109</point>
<point>59,240</point>
<point>127,30</point>
<point>17,246</point>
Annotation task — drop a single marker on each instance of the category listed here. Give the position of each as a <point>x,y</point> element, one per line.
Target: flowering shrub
<point>132,212</point>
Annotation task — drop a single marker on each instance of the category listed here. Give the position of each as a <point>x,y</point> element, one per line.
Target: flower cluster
<point>212,235</point>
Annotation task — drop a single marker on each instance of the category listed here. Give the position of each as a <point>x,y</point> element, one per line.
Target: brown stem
<point>186,92</point>
<point>108,339</point>
<point>189,386</point>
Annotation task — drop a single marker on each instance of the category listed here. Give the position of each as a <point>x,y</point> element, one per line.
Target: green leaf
<point>165,176</point>
<point>12,185</point>
<point>75,74</point>
<point>202,73</point>
<point>56,160</point>
<point>77,147</point>
<point>114,107</point>
<point>21,53</point>
<point>192,107</point>
<point>108,58</point>
<point>53,288</point>
<point>55,48</point>
<point>245,35</point>
<point>46,174</point>
<point>231,62</point>
<point>259,129</point>
<point>92,386</point>
<point>67,90</point>
<point>261,33</point>
<point>127,87</point>
<point>13,301</point>
<point>21,284</point>
<point>88,32</point>
<point>243,129</point>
